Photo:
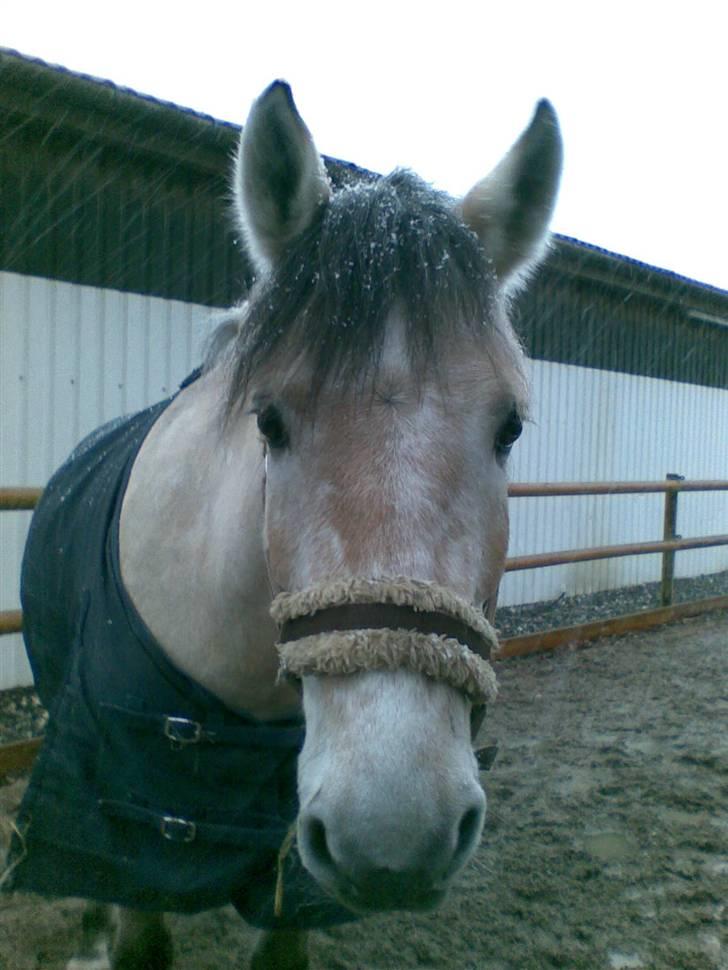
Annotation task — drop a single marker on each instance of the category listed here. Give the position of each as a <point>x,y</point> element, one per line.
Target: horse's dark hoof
<point>150,950</point>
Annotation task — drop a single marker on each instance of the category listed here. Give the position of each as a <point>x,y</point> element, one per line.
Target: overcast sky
<point>641,88</point>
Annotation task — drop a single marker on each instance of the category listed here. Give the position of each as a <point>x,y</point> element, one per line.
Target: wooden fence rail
<point>673,483</point>
<point>612,552</point>
<point>19,499</point>
<point>11,621</point>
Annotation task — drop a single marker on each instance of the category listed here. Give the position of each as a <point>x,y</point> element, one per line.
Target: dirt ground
<point>606,844</point>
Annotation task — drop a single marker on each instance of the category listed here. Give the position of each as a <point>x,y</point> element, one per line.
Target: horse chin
<point>422,902</point>
<point>381,890</point>
<point>383,900</point>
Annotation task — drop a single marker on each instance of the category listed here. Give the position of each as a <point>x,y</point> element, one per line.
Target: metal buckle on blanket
<point>177,829</point>
<point>182,731</point>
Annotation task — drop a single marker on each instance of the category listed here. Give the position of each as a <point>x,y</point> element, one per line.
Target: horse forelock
<point>377,245</point>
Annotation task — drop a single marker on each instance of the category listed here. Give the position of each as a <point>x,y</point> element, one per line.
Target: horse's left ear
<point>510,209</point>
<point>280,180</point>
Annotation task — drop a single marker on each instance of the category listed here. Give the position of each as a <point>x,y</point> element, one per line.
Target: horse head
<point>388,389</point>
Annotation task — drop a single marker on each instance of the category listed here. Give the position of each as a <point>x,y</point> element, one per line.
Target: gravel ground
<point>21,714</point>
<point>605,846</point>
<point>569,610</point>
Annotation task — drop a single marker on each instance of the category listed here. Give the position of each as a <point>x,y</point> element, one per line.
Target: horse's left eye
<point>509,433</point>
<point>271,426</point>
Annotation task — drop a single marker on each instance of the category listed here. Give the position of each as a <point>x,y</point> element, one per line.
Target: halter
<point>355,625</point>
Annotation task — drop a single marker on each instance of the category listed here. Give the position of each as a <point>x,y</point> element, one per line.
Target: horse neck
<point>192,555</point>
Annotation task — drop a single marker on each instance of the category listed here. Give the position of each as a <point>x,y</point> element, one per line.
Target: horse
<point>260,612</point>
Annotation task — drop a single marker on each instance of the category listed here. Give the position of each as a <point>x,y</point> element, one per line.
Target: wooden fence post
<point>668,532</point>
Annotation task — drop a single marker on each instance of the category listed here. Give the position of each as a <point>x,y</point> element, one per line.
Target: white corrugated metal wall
<point>72,357</point>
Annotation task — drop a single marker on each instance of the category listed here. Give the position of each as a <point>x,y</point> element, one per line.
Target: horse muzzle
<point>362,625</point>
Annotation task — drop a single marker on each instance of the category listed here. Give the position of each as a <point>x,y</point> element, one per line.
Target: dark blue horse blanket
<point>148,791</point>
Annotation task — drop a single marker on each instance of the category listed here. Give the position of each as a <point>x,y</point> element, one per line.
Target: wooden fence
<point>670,543</point>
<point>20,754</point>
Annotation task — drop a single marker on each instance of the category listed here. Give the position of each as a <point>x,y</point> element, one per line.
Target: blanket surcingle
<point>148,791</point>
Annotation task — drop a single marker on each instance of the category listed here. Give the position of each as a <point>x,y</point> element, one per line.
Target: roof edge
<point>615,269</point>
<point>110,113</point>
<point>119,116</point>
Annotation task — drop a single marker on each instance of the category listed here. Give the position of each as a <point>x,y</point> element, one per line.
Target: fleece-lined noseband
<point>355,625</point>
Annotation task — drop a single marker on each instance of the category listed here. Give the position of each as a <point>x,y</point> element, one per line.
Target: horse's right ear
<point>280,180</point>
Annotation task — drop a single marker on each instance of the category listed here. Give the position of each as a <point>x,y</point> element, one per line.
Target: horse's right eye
<point>272,427</point>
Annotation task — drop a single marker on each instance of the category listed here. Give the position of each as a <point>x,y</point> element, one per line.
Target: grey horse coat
<point>148,791</point>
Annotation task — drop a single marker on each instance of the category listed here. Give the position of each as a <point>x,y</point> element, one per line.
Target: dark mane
<point>379,243</point>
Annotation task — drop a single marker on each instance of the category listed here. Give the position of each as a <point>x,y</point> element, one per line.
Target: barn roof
<point>99,108</point>
<point>102,110</point>
<point>90,168</point>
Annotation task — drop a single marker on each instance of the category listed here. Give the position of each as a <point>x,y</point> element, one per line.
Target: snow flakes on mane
<point>379,244</point>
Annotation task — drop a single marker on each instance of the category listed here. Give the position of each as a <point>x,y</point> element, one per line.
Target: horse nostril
<point>316,840</point>
<point>468,831</point>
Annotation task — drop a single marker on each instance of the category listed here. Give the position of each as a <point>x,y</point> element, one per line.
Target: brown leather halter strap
<point>383,616</point>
